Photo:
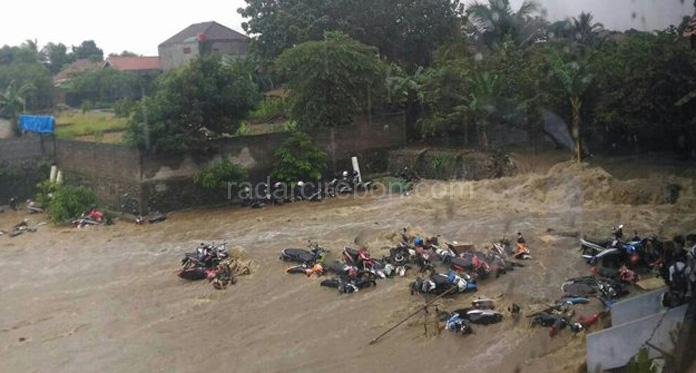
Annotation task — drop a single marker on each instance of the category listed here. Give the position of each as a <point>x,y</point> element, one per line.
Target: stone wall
<point>167,180</point>
<point>23,163</point>
<point>110,170</point>
<point>122,176</point>
<point>447,164</point>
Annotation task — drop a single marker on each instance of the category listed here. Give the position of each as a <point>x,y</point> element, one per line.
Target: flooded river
<point>108,298</point>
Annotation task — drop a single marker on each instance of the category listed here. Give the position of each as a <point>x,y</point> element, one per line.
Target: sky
<point>140,26</point>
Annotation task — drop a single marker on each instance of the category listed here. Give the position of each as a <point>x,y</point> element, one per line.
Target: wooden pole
<point>422,308</point>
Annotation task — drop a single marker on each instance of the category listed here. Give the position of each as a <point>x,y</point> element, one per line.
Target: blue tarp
<point>37,124</point>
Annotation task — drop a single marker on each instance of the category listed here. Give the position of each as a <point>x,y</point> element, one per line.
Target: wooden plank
<point>653,283</point>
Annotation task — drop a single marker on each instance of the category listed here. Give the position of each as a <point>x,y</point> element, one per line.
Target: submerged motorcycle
<point>441,283</point>
<point>202,263</point>
<point>314,255</point>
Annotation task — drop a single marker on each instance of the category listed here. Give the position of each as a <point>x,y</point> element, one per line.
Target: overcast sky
<point>139,26</point>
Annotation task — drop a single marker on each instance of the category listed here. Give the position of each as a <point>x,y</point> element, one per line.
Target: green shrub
<point>269,110</point>
<point>69,203</point>
<point>86,106</point>
<point>299,159</point>
<point>124,107</point>
<point>218,174</point>
<point>45,193</point>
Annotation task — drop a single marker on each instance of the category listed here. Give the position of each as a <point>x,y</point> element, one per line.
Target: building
<point>137,65</point>
<point>201,39</point>
<point>78,67</point>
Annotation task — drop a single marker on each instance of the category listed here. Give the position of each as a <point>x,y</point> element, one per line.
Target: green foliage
<point>299,159</point>
<point>193,105</point>
<point>270,110</point>
<point>45,192</point>
<point>25,75</point>
<point>124,107</point>
<point>69,203</point>
<point>56,57</point>
<point>406,32</point>
<point>640,80</point>
<point>217,175</point>
<point>641,363</point>
<point>496,23</point>
<point>88,50</point>
<point>106,86</point>
<point>332,80</point>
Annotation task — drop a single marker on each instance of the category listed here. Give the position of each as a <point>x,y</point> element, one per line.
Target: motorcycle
<point>589,286</point>
<point>441,283</point>
<point>203,263</point>
<point>482,317</point>
<point>205,256</point>
<point>314,255</point>
<point>470,262</point>
<point>458,324</point>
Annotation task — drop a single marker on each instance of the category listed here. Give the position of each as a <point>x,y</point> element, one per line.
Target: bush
<point>218,174</point>
<point>86,106</point>
<point>299,159</point>
<point>124,107</point>
<point>270,110</point>
<point>46,191</point>
<point>69,203</point>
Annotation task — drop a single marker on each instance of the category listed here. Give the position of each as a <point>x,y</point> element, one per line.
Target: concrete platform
<point>637,307</point>
<point>614,347</point>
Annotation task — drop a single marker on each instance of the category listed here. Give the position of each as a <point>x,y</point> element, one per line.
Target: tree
<point>404,31</point>
<point>299,159</point>
<point>583,29</point>
<point>574,80</point>
<point>12,101</point>
<point>332,80</point>
<point>56,56</point>
<point>89,50</point>
<point>495,22</point>
<point>193,105</point>
<point>484,94</point>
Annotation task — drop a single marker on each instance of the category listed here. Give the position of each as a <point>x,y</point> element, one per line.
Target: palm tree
<point>583,28</point>
<point>13,101</point>
<point>496,21</point>
<point>574,81</point>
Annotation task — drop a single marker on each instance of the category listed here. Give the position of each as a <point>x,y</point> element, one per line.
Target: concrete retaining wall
<point>165,183</point>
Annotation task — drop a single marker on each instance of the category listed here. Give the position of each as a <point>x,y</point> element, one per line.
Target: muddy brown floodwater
<point>108,299</point>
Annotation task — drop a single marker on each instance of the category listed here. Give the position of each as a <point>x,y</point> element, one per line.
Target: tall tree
<point>89,50</point>
<point>495,22</point>
<point>331,80</point>
<point>13,102</point>
<point>584,29</point>
<point>56,56</point>
<point>405,31</point>
<point>193,105</point>
<point>574,79</point>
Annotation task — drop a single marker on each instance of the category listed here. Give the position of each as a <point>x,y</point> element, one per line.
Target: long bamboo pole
<point>419,310</point>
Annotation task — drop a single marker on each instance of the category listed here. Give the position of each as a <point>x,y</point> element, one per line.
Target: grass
<point>75,124</point>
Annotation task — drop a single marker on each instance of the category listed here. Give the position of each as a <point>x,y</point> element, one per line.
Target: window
<point>187,50</point>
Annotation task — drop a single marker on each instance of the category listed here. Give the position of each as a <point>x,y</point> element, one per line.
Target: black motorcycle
<point>314,255</point>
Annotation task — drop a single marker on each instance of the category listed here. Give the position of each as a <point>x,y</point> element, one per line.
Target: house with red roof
<point>140,65</point>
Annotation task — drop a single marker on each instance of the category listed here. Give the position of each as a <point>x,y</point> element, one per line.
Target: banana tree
<point>484,103</point>
<point>574,81</point>
<point>13,101</point>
